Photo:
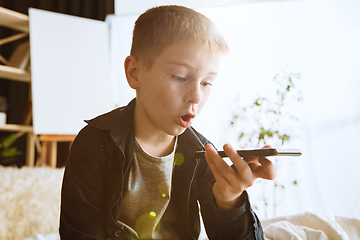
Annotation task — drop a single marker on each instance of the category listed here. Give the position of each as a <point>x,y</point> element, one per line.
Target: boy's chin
<point>179,131</point>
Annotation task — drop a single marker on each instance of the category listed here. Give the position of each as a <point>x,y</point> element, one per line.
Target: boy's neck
<point>155,143</point>
<point>156,146</point>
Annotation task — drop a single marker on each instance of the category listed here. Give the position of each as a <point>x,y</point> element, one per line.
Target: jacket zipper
<point>188,208</point>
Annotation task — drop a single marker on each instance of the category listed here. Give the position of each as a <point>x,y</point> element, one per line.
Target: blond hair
<point>161,26</point>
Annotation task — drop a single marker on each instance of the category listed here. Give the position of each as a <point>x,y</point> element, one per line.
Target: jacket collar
<point>119,122</point>
<point>192,141</point>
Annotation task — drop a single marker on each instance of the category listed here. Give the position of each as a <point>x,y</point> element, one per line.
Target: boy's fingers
<point>216,165</point>
<point>224,174</point>
<point>243,172</point>
<point>269,168</point>
<point>239,163</point>
<point>251,159</point>
<point>260,167</point>
<point>216,159</point>
<point>264,170</point>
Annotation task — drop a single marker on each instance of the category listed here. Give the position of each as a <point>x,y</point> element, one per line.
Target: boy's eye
<point>206,84</point>
<point>180,79</point>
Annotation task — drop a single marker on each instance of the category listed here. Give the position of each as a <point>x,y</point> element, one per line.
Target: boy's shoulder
<point>114,126</point>
<point>111,119</point>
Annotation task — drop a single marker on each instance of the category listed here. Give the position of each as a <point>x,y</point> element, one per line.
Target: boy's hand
<point>232,181</point>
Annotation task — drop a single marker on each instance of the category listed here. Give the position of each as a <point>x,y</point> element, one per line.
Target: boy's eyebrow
<point>189,66</point>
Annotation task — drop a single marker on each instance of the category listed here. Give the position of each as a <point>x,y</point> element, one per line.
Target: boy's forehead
<point>180,53</point>
<point>191,56</point>
<point>179,50</point>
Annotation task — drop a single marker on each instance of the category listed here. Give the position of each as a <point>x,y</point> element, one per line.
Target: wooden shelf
<point>14,20</point>
<point>16,128</point>
<point>13,73</point>
<point>30,141</point>
<point>14,70</point>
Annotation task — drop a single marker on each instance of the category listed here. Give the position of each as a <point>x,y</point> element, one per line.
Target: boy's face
<point>171,93</point>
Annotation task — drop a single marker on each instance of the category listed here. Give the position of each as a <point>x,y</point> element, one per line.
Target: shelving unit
<point>19,22</point>
<point>14,20</point>
<point>16,127</point>
<point>13,73</point>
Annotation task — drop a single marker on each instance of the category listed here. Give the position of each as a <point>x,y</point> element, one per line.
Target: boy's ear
<point>131,66</point>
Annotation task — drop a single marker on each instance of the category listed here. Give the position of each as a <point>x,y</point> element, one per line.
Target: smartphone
<point>261,152</point>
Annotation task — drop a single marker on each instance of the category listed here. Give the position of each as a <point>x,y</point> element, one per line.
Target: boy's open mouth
<point>187,119</point>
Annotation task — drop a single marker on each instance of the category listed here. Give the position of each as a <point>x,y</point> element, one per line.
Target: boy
<point>131,173</point>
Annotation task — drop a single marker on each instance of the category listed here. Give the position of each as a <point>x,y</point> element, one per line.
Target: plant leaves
<point>10,152</point>
<point>241,136</point>
<point>8,140</point>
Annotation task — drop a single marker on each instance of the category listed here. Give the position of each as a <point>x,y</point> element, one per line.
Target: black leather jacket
<point>99,161</point>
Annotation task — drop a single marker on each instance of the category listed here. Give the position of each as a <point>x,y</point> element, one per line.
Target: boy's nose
<point>194,95</point>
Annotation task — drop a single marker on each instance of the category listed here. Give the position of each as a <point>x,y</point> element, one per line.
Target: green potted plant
<point>270,119</point>
<point>8,153</point>
<point>3,108</point>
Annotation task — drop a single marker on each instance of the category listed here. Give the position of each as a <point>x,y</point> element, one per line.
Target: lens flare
<point>153,214</point>
<point>179,159</point>
<point>163,189</point>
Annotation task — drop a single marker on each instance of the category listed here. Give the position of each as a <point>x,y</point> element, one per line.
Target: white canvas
<point>69,70</point>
